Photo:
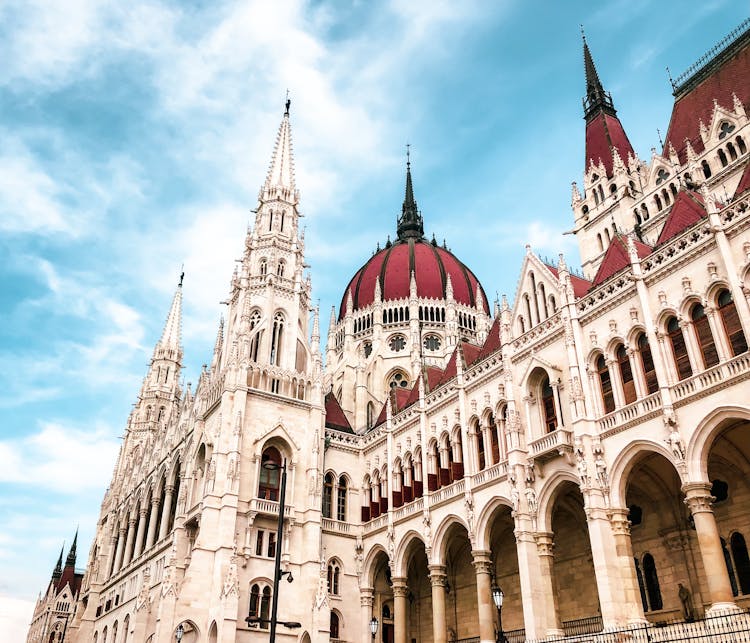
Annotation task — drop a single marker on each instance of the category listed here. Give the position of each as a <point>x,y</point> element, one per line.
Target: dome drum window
<point>397,343</point>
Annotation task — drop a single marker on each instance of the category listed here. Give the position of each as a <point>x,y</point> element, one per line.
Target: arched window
<point>268,487</point>
<point>333,578</point>
<point>255,335</point>
<point>741,144</point>
<point>263,267</point>
<point>254,607</point>
<point>679,349</point>
<point>276,337</point>
<point>370,415</point>
<point>723,158</point>
<point>706,169</point>
<point>433,478</point>
<point>641,584</point>
<point>553,304</point>
<point>522,326</point>
<point>626,375</point>
<point>398,379</point>
<point>528,309</point>
<point>730,569</point>
<point>704,336</point>
<point>644,211</point>
<point>605,384</point>
<point>549,412</point>
<point>328,495</point>
<point>599,241</point>
<point>493,439</point>
<point>647,363</point>
<point>283,215</point>
<point>732,152</point>
<point>543,296</point>
<point>341,499</point>
<point>334,629</point>
<point>104,635</point>
<point>265,603</point>
<point>653,592</point>
<point>731,321</point>
<point>481,454</point>
<point>607,235</point>
<point>741,561</point>
<point>657,200</point>
<point>280,268</point>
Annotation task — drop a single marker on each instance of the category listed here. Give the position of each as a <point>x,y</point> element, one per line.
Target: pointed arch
<point>624,463</point>
<point>705,434</point>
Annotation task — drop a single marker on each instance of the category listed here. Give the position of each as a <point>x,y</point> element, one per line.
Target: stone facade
<point>585,449</point>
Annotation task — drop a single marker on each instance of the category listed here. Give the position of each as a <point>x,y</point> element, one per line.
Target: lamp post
<point>270,465</point>
<point>179,632</point>
<point>497,598</point>
<point>373,627</point>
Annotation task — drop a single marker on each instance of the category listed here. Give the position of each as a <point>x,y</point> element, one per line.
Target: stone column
<point>139,534</point>
<point>633,607</point>
<point>120,549</point>
<point>365,601</point>
<point>533,593</point>
<point>166,508</point>
<point>544,547</point>
<point>400,590</point>
<point>129,542</point>
<point>151,536</point>
<point>699,499</point>
<point>438,579</point>
<point>485,607</point>
<point>112,554</point>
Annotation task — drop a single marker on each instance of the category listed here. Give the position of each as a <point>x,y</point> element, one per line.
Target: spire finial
<point>288,103</point>
<point>71,560</point>
<point>182,274</point>
<point>410,223</point>
<point>596,98</point>
<point>58,567</point>
<point>171,335</point>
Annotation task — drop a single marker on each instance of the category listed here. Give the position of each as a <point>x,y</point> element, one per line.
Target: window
<point>370,415</point>
<point>263,267</point>
<point>661,176</point>
<point>725,129</point>
<point>259,543</point>
<point>255,336</point>
<point>704,336</point>
<point>398,380</point>
<point>741,561</point>
<point>653,593</point>
<point>605,383</point>
<point>397,343</point>
<point>723,158</point>
<point>548,405</point>
<point>679,349</point>
<point>341,499</point>
<point>271,550</point>
<point>641,584</point>
<point>647,363</point>
<point>431,343</point>
<point>367,349</point>
<point>480,446</point>
<point>731,321</point>
<point>706,169</point>
<point>334,572</point>
<point>327,495</point>
<point>730,569</point>
<point>260,602</point>
<point>280,268</point>
<point>334,629</point>
<point>268,488</point>
<point>278,329</point>
<point>626,375</point>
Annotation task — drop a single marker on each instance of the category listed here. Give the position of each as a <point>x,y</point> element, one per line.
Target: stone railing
<point>620,418</point>
<point>718,376</point>
<point>499,470</point>
<point>408,509</point>
<point>338,527</point>
<point>376,524</point>
<point>555,443</point>
<point>446,493</point>
<point>269,507</point>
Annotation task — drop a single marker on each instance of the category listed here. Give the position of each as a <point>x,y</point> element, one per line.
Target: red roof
<point>400,399</point>
<point>69,576</point>
<point>580,285</point>
<point>603,133</point>
<point>687,210</point>
<point>492,343</point>
<point>697,102</point>
<point>335,417</point>
<point>616,258</point>
<point>744,185</point>
<point>450,368</point>
<point>470,351</point>
<point>392,268</point>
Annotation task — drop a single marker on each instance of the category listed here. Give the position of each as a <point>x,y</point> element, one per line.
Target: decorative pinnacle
<point>58,567</point>
<point>170,337</point>
<point>596,98</point>
<point>71,560</point>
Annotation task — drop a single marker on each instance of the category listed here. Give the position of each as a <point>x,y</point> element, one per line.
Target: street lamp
<point>373,627</point>
<point>179,632</point>
<point>270,464</point>
<point>497,598</point>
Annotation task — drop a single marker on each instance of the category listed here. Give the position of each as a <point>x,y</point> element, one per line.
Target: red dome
<point>431,264</point>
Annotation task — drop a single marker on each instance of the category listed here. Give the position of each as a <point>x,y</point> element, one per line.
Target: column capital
<point>399,586</point>
<point>122,530</point>
<point>366,595</point>
<point>438,575</point>
<point>170,489</point>
<point>698,497</point>
<point>143,510</point>
<point>545,543</point>
<point>618,517</point>
<point>482,561</point>
<point>131,521</point>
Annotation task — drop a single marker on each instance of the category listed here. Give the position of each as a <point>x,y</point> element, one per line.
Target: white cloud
<point>60,458</point>
<point>15,616</point>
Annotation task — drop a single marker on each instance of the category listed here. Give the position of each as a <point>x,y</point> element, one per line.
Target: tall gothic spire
<point>280,177</point>
<point>596,98</point>
<point>410,223</point>
<point>171,336</point>
<point>58,567</point>
<point>71,559</point>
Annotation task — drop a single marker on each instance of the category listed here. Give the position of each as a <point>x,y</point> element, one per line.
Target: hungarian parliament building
<point>572,461</point>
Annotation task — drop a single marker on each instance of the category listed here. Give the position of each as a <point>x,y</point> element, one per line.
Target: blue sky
<point>136,136</point>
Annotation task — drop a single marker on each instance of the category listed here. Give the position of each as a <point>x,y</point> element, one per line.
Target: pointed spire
<point>332,321</point>
<point>71,559</point>
<point>316,324</point>
<point>171,336</point>
<point>596,98</point>
<point>410,223</point>
<point>58,567</point>
<point>281,171</point>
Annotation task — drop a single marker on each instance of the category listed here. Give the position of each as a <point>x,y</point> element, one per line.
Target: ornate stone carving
<point>583,466</point>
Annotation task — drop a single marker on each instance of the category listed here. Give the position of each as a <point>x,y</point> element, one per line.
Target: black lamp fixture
<point>178,633</point>
<point>497,597</point>
<point>373,627</point>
